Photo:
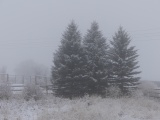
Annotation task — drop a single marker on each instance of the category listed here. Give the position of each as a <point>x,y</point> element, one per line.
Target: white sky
<point>32,29</point>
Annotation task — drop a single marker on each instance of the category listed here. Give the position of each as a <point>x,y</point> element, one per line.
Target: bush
<point>148,89</point>
<point>137,93</point>
<point>113,91</point>
<point>32,91</point>
<point>5,91</point>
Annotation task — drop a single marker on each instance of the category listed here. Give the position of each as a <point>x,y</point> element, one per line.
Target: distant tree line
<point>90,65</point>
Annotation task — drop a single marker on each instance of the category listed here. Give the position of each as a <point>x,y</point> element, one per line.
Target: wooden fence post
<point>35,80</point>
<point>30,79</point>
<point>46,85</point>
<point>7,78</point>
<point>23,79</point>
<point>15,79</point>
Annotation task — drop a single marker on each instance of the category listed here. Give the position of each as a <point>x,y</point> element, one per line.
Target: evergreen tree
<point>123,59</point>
<point>95,47</point>
<point>67,73</point>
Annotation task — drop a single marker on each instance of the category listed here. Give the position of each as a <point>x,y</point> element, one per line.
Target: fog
<point>32,29</point>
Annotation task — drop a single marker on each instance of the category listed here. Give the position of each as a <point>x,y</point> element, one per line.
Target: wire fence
<point>22,79</point>
<point>18,82</point>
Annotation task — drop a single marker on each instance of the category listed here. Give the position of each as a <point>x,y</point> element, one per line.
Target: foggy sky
<point>32,29</point>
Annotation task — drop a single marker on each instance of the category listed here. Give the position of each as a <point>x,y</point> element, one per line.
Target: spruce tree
<point>123,59</point>
<point>67,74</point>
<point>95,47</point>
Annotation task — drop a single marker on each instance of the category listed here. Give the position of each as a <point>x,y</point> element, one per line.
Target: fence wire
<point>22,79</point>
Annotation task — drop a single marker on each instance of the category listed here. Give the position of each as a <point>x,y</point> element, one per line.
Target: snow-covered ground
<point>88,108</point>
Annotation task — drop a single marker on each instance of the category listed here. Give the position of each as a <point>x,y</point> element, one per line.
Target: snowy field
<point>93,108</point>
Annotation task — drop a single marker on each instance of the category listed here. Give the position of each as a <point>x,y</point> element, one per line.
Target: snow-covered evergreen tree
<point>95,47</point>
<point>67,73</point>
<point>123,59</point>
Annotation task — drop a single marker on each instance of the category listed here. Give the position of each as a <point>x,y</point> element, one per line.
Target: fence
<point>157,93</point>
<point>18,82</point>
<point>22,79</point>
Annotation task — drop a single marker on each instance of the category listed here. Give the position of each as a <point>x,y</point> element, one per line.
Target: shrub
<point>5,91</point>
<point>113,91</point>
<point>32,91</point>
<point>137,93</point>
<point>148,89</point>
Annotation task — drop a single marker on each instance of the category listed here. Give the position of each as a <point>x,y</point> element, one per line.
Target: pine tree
<point>95,47</point>
<point>123,59</point>
<point>67,73</point>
